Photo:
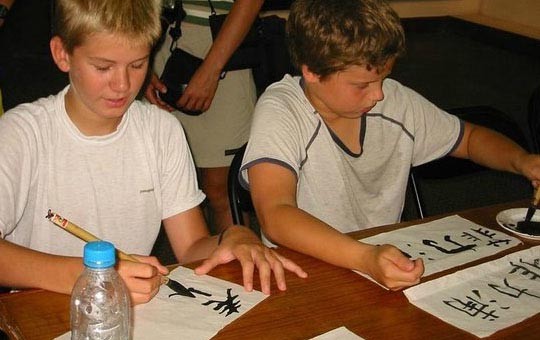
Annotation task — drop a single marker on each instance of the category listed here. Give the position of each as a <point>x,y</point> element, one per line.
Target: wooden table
<point>331,297</point>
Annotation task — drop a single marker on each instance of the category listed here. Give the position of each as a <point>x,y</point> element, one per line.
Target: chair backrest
<point>162,249</point>
<point>534,119</point>
<point>450,184</point>
<point>239,198</point>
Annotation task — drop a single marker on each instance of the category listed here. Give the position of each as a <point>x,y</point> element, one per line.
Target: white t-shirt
<point>346,190</point>
<point>118,187</point>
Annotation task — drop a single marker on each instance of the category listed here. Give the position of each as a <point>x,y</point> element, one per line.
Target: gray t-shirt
<point>346,190</point>
<point>119,186</point>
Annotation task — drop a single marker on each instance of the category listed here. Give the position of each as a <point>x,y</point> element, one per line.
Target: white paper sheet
<point>447,242</point>
<point>485,298</point>
<point>217,303</point>
<point>340,333</point>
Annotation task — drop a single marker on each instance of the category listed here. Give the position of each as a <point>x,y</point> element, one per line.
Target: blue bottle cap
<point>99,254</point>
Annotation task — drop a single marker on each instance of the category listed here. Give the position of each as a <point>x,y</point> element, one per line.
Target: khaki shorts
<point>214,135</point>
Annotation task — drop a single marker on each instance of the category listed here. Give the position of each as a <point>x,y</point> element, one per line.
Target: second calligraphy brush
<point>88,237</point>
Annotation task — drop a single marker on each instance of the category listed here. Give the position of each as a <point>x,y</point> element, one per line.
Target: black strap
<point>176,32</point>
<point>212,9</point>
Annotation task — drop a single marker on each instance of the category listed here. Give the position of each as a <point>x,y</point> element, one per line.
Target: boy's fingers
<point>248,268</point>
<point>401,261</point>
<point>138,298</point>
<point>154,262</point>
<point>264,268</point>
<point>277,267</point>
<point>291,266</point>
<point>207,265</point>
<point>403,278</point>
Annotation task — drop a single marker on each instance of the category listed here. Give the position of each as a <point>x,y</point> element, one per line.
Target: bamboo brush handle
<point>89,237</point>
<point>82,234</point>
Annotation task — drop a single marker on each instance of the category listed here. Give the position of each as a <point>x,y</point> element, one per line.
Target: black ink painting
<point>446,243</point>
<point>487,297</point>
<point>230,305</point>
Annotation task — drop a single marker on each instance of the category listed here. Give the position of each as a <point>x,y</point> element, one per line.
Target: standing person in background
<point>5,5</point>
<point>215,135</point>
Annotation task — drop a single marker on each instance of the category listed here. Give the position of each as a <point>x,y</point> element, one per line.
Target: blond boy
<point>109,163</point>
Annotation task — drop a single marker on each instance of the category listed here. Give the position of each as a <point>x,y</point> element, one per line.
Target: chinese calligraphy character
<point>512,291</point>
<point>473,307</point>
<point>228,305</point>
<point>448,239</point>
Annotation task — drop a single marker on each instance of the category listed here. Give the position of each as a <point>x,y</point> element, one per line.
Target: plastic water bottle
<point>100,304</point>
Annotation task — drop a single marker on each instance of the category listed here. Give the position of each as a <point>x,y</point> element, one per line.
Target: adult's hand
<point>154,87</point>
<point>201,89</point>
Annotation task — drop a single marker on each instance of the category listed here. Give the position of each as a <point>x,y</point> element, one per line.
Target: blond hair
<point>329,35</point>
<point>137,20</point>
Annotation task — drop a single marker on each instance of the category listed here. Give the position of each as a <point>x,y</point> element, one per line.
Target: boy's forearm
<point>199,250</point>
<point>188,235</point>
<point>493,150</point>
<point>296,229</point>
<point>21,267</point>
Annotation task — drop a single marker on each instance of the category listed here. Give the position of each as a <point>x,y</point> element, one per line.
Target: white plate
<point>508,219</point>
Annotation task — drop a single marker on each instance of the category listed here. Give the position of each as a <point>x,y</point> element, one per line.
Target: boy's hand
<point>529,166</point>
<point>388,266</point>
<point>143,278</point>
<point>242,244</point>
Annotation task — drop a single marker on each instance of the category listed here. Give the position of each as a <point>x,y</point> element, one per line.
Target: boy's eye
<point>138,65</point>
<point>102,68</point>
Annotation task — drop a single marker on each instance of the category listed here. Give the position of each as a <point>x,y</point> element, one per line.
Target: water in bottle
<point>100,305</point>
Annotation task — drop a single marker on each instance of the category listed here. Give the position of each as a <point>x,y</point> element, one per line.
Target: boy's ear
<point>59,54</point>
<point>309,76</point>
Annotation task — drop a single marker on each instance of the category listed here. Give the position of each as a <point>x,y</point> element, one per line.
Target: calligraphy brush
<point>528,226</point>
<point>88,237</point>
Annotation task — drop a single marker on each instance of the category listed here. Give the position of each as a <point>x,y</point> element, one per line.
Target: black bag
<point>264,50</point>
<point>247,55</point>
<point>275,61</point>
<point>177,72</point>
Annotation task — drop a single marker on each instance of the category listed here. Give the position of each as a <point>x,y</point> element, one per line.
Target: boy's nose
<point>378,94</point>
<point>120,81</point>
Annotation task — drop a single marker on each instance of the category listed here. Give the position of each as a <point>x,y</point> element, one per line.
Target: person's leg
<point>215,135</point>
<point>214,184</point>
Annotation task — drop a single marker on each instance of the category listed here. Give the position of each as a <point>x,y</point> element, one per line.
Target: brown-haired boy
<point>330,152</point>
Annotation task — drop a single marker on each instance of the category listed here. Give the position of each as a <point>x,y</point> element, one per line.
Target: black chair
<point>239,198</point>
<point>162,249</point>
<point>534,119</point>
<point>450,184</point>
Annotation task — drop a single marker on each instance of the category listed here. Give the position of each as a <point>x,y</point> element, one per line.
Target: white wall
<point>434,8</point>
<point>524,12</point>
<point>518,16</point>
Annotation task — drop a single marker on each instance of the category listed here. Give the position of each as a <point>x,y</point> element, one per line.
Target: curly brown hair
<point>329,35</point>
